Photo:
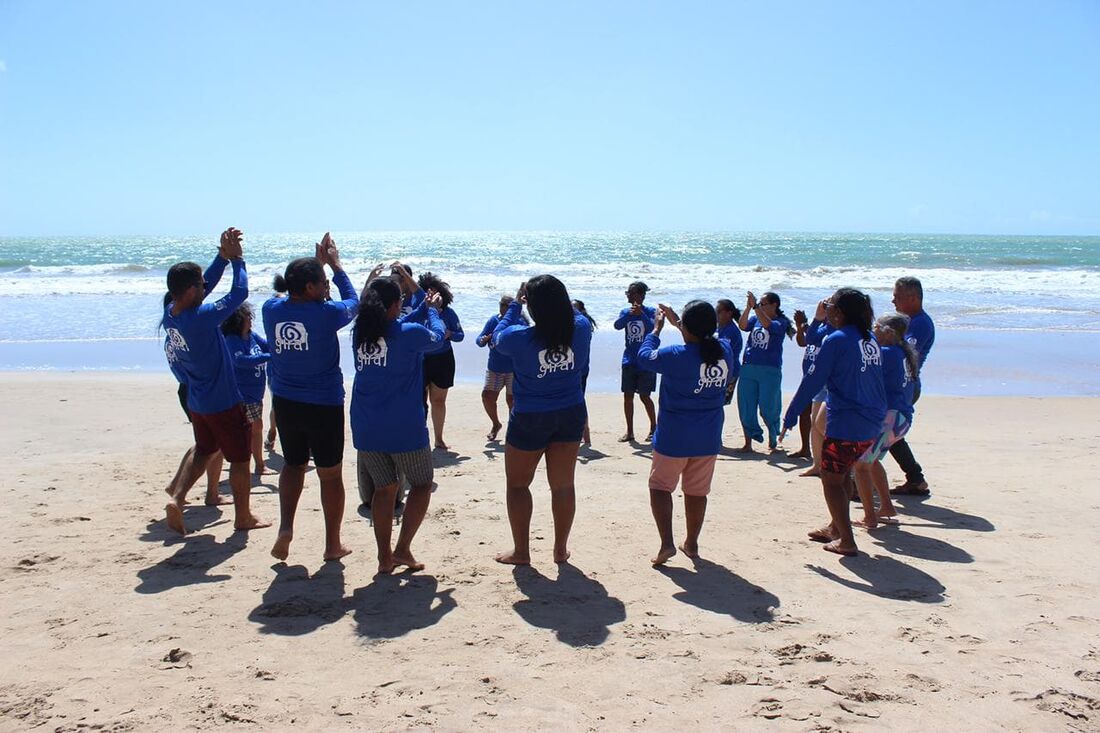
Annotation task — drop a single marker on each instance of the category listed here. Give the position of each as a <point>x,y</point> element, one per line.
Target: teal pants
<point>760,389</point>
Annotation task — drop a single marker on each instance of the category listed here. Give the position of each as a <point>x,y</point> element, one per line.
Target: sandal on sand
<point>911,489</point>
<point>820,535</point>
<point>838,551</point>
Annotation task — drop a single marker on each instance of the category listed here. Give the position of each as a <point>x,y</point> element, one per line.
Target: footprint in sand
<point>30,563</point>
<point>1064,702</point>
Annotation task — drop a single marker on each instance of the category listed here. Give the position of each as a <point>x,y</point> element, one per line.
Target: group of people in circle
<point>855,401</point>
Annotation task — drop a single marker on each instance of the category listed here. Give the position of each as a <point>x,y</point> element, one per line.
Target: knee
<point>566,490</point>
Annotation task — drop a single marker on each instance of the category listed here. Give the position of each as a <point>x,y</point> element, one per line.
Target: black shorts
<point>306,429</point>
<point>638,380</point>
<point>536,430</point>
<point>439,369</point>
<point>182,392</point>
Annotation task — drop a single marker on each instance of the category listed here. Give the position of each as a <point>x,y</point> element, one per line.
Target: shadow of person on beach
<point>298,603</point>
<point>885,577</point>
<point>195,517</point>
<point>393,605</point>
<point>642,450</point>
<point>587,454</point>
<point>899,542</point>
<point>191,564</point>
<point>938,516</point>
<point>713,587</point>
<point>578,609</point>
<point>447,458</point>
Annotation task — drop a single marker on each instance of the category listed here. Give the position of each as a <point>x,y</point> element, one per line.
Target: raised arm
<point>746,314</point>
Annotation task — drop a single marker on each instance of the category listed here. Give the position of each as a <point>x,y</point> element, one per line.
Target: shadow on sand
<point>191,564</point>
<point>393,605</point>
<point>886,577</point>
<point>713,587</point>
<point>578,609</point>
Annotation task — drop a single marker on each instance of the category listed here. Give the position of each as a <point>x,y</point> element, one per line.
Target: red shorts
<point>838,456</point>
<point>228,431</point>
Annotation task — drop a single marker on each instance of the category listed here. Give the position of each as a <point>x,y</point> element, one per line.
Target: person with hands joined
<point>387,422</point>
<point>548,419</point>
<point>689,422</point>
<point>849,364</point>
<point>498,371</point>
<point>810,336</point>
<point>760,385</point>
<point>196,352</point>
<point>636,320</point>
<point>439,360</point>
<point>307,388</point>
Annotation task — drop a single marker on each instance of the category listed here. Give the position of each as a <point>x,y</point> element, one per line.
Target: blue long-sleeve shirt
<point>498,362</point>
<point>851,367</point>
<point>636,327</point>
<point>764,346</point>
<point>195,347</point>
<point>815,334</point>
<point>305,352</point>
<point>692,397</point>
<point>452,324</point>
<point>250,357</point>
<point>731,333</point>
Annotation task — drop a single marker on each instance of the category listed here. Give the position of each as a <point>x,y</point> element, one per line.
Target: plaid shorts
<point>254,411</point>
<point>383,469</point>
<point>496,381</point>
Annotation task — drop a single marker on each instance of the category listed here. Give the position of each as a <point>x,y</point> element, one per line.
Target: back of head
<point>701,321</point>
<point>431,282</point>
<point>549,305</point>
<point>898,323</point>
<point>233,325</point>
<point>578,305</point>
<point>373,318</point>
<point>278,284</point>
<point>301,272</point>
<point>181,276</point>
<point>774,298</point>
<point>727,305</point>
<point>855,306</point>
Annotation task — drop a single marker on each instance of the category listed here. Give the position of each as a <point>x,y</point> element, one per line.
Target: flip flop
<point>907,490</point>
<point>820,536</point>
<point>838,551</point>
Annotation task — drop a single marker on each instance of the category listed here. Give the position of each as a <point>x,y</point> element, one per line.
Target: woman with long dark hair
<point>549,414</point>
<point>387,419</point>
<point>849,363</point>
<point>307,388</point>
<point>689,420</point>
<point>439,361</point>
<point>759,388</point>
<point>250,356</point>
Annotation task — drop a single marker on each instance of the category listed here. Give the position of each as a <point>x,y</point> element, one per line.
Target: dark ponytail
<point>855,306</point>
<point>701,321</point>
<point>727,304</point>
<point>279,285</point>
<point>898,323</point>
<point>552,311</point>
<point>374,306</point>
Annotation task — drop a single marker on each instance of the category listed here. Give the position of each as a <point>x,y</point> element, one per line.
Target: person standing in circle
<point>549,414</point>
<point>307,388</point>
<point>439,361</point>
<point>921,335</point>
<point>636,320</point>
<point>730,332</point>
<point>760,386</point>
<point>498,372</point>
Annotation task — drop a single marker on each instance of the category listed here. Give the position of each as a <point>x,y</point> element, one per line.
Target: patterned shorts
<point>838,456</point>
<point>894,428</point>
<point>496,381</point>
<point>383,469</point>
<point>254,411</point>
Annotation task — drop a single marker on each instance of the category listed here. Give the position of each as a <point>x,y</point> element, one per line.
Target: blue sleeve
<point>222,308</point>
<point>262,342</point>
<point>651,357</point>
<point>649,317</point>
<point>213,274</point>
<point>425,338</point>
<point>342,312</point>
<point>453,325</point>
<point>510,323</point>
<point>816,333</point>
<point>419,314</point>
<point>487,331</point>
<point>620,322</point>
<point>778,327</point>
<point>812,382</point>
<point>243,359</point>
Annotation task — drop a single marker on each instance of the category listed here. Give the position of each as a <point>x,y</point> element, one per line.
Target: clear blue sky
<point>157,117</point>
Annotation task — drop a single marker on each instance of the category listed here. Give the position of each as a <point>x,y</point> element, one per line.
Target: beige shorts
<point>665,472</point>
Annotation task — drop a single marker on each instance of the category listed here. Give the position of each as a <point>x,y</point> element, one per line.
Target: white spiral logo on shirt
<point>555,361</point>
<point>291,335</point>
<point>760,338</point>
<point>635,331</point>
<point>372,354</point>
<point>871,354</point>
<point>712,376</point>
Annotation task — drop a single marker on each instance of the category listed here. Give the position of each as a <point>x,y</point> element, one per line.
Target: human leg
<point>561,465</point>
<point>416,467</point>
<point>438,398</point>
<point>519,471</point>
<point>332,505</point>
<point>748,399</point>
<point>771,402</point>
<point>214,468</point>
<point>805,430</point>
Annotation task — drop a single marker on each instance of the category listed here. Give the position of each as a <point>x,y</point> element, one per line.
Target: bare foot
<point>217,500</point>
<point>281,549</point>
<point>561,556</point>
<point>492,435</point>
<point>386,565</point>
<point>811,471</point>
<point>339,552</point>
<point>440,445</point>
<point>663,555</point>
<point>175,517</point>
<point>628,438</point>
<point>825,534</point>
<point>746,448</point>
<point>690,550</point>
<point>839,549</point>
<point>406,559</point>
<point>250,522</point>
<point>513,558</point>
<point>866,522</point>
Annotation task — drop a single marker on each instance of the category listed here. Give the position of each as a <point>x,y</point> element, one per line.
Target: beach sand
<point>980,611</point>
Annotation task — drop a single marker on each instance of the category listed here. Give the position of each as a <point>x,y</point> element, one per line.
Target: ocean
<point>1014,315</point>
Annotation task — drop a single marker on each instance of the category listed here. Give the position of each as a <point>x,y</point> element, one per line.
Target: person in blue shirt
<point>439,361</point>
<point>760,386</point>
<point>578,305</point>
<point>689,423</point>
<point>498,372</point>
<point>197,354</point>
<point>387,415</point>
<point>278,291</point>
<point>548,418</point>
<point>636,320</point>
<point>250,356</point>
<point>411,294</point>
<point>921,334</point>
<point>730,331</point>
<point>849,363</point>
<point>809,336</point>
<point>900,371</point>
<point>307,388</point>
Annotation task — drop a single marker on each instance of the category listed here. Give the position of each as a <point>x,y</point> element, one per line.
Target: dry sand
<point>981,611</point>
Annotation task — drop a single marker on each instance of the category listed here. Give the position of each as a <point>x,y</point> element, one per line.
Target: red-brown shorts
<point>838,456</point>
<point>228,431</point>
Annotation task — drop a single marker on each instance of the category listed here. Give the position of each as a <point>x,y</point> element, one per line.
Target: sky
<point>165,118</point>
